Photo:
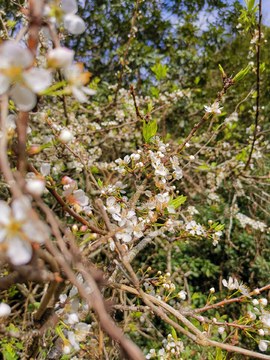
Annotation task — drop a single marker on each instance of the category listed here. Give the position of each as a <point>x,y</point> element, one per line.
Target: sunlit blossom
<point>17,75</point>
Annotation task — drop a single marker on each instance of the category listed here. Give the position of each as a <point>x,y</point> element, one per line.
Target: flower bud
<point>255,302</point>
<point>4,309</point>
<point>83,228</point>
<point>261,332</point>
<point>66,180</point>
<point>212,290</point>
<point>263,301</point>
<point>75,228</point>
<point>35,187</point>
<point>34,149</point>
<point>65,136</point>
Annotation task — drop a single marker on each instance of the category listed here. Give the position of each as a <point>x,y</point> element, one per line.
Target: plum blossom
<point>17,75</point>
<point>77,78</point>
<point>152,354</point>
<point>75,197</point>
<point>74,338</point>
<point>182,295</point>
<point>17,232</point>
<point>214,108</point>
<point>60,57</point>
<point>232,284</point>
<point>73,23</point>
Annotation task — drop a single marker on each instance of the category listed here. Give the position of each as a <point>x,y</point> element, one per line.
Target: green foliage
<point>160,71</point>
<point>178,201</point>
<point>149,130</point>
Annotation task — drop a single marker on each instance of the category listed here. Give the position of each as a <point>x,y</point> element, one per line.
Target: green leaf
<point>8,356</point>
<point>262,67</point>
<point>241,74</point>
<point>155,92</point>
<point>100,183</point>
<point>203,167</point>
<point>174,335</point>
<point>221,69</point>
<point>197,80</point>
<point>177,202</point>
<point>149,130</point>
<point>160,71</point>
<point>250,5</point>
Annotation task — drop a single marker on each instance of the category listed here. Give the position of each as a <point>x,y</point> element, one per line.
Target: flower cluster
<point>172,349</point>
<point>71,310</point>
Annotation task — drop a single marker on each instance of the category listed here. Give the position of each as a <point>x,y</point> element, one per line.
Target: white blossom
<point>214,108</point>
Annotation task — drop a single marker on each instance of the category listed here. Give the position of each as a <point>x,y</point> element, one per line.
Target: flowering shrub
<point>114,223</point>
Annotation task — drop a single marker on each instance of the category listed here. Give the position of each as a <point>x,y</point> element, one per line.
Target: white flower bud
<point>191,157</point>
<point>263,301</point>
<point>4,309</point>
<point>35,187</point>
<point>261,332</point>
<point>65,136</point>
<point>255,302</point>
<point>75,228</point>
<point>212,290</point>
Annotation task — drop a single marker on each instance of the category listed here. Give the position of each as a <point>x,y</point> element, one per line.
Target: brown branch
<point>227,83</point>
<point>228,301</point>
<point>65,205</point>
<point>201,338</point>
<point>126,52</point>
<point>53,284</point>
<point>25,273</point>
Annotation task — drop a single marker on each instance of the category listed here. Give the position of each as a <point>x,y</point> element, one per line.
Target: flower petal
<point>38,79</point>
<point>24,98</point>
<point>69,6</point>
<point>19,251</point>
<point>19,207</point>
<point>15,55</point>
<point>74,24</point>
<point>45,169</point>
<point>3,234</point>
<point>5,213</point>
<point>88,91</point>
<point>60,57</point>
<point>4,83</point>
<point>78,94</point>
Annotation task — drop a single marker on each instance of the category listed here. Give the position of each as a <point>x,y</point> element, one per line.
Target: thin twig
<point>258,87</point>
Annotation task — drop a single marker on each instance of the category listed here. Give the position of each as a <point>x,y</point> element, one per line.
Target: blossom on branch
<point>214,108</point>
<point>17,75</point>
